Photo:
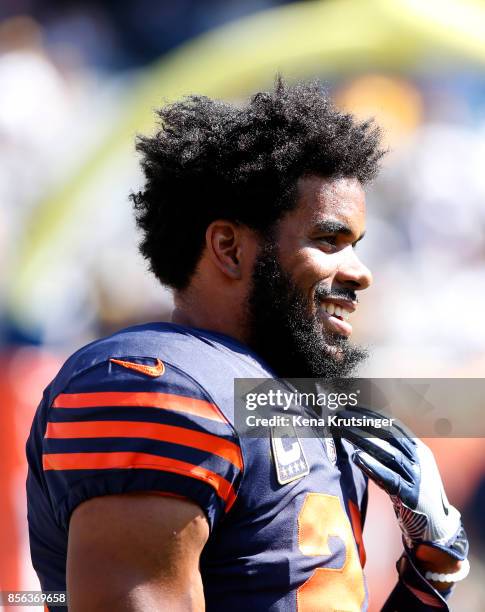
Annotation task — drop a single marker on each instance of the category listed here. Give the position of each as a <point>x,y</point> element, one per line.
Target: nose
<point>352,273</point>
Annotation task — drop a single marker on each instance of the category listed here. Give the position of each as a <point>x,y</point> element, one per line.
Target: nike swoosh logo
<point>445,509</point>
<point>153,371</point>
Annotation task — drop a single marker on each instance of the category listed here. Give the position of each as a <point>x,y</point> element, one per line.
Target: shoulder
<point>143,410</point>
<point>161,357</point>
<point>197,353</point>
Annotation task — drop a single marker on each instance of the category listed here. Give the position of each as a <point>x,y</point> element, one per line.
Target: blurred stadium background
<point>78,79</point>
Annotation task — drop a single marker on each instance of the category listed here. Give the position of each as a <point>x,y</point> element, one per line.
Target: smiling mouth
<point>336,316</point>
<point>337,311</point>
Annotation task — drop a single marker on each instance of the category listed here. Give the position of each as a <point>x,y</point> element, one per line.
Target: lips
<point>335,315</point>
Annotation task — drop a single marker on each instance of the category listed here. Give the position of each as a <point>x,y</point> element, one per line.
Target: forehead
<point>342,199</point>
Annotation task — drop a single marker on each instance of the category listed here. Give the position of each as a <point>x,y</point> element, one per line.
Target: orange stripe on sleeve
<point>153,431</point>
<point>131,460</point>
<point>165,401</point>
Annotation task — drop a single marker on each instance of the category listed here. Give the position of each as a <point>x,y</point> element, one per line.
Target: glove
<point>406,469</point>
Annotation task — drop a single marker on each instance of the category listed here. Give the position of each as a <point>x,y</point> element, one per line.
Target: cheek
<point>311,266</point>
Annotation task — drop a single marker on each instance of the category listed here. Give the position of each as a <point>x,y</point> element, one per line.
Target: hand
<point>406,469</point>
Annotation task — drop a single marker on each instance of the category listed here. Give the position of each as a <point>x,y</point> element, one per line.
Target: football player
<point>142,495</point>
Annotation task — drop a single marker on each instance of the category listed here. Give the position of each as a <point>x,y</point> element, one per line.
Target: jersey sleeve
<point>117,429</point>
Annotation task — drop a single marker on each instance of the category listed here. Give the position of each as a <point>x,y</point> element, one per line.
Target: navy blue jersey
<point>151,408</point>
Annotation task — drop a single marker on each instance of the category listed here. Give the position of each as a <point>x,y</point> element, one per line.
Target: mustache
<point>326,293</point>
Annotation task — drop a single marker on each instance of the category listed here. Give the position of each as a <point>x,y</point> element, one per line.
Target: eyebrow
<point>331,226</point>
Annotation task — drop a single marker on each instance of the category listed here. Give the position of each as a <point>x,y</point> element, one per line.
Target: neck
<point>209,316</point>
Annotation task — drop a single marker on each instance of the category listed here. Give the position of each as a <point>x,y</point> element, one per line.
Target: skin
<point>136,553</point>
<point>217,295</point>
<point>315,253</point>
<point>131,553</point>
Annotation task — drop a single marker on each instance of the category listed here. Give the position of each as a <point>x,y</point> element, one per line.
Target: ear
<point>224,242</point>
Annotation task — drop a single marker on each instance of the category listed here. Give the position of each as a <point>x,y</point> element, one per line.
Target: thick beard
<point>285,333</point>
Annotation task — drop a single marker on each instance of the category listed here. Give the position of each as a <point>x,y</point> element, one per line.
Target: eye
<point>327,243</point>
<point>328,240</point>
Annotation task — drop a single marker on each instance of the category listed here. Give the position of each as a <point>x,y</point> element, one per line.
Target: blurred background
<point>79,79</point>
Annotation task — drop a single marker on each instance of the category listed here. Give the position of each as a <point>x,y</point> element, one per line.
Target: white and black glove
<point>406,469</point>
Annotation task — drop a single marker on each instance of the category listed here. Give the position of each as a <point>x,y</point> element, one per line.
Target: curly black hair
<point>212,160</point>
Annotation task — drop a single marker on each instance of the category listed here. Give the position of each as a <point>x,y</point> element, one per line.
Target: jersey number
<point>328,589</point>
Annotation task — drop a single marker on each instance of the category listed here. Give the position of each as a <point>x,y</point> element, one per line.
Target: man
<point>142,495</point>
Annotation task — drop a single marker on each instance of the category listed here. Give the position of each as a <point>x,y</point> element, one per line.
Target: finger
<point>397,428</point>
<point>383,477</point>
<point>382,451</point>
<point>394,434</point>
